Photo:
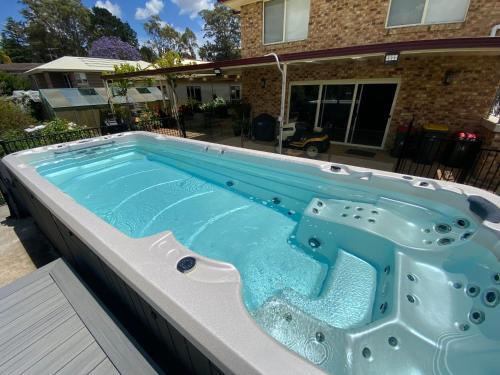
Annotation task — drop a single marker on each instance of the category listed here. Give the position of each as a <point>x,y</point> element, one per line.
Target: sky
<point>178,13</point>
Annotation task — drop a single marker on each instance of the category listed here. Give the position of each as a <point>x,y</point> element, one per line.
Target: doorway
<point>350,112</point>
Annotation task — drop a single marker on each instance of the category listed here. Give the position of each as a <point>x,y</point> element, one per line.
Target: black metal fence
<point>32,141</point>
<point>166,126</point>
<point>457,160</point>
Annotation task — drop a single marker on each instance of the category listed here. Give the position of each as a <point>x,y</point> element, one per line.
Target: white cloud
<point>114,9</point>
<point>151,8</point>
<point>192,7</point>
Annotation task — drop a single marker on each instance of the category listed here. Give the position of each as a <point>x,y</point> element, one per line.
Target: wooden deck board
<point>50,323</point>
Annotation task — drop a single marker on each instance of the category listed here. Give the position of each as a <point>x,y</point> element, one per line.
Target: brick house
<point>361,69</point>
<point>363,99</point>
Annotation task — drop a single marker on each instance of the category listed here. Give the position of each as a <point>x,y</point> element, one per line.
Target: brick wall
<point>342,23</point>
<point>461,105</point>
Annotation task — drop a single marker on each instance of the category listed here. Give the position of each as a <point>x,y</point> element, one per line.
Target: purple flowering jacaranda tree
<point>111,47</point>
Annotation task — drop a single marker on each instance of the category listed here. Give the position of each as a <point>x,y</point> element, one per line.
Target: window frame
<point>191,89</point>
<point>424,16</point>
<point>284,25</point>
<point>230,93</point>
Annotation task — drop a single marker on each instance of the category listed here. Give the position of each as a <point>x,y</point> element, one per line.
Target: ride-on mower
<point>302,136</point>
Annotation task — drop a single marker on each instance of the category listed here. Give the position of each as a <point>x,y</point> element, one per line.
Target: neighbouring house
<point>362,69</point>
<point>18,68</point>
<point>72,88</point>
<point>202,88</point>
<point>76,72</point>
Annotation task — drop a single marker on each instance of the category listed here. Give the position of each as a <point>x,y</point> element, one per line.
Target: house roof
<point>18,67</point>
<point>485,45</point>
<point>84,64</point>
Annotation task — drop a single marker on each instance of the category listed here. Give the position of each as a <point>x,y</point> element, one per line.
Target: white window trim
<point>424,16</point>
<point>284,26</point>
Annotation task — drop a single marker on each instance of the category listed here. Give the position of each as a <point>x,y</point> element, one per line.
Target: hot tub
<point>271,264</point>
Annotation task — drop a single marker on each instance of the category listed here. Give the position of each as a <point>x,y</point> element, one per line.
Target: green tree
<point>11,82</point>
<point>188,44</point>
<point>14,120</point>
<point>56,27</point>
<point>14,41</point>
<point>222,29</point>
<point>103,23</point>
<point>4,58</point>
<point>120,87</point>
<point>147,54</point>
<point>168,60</point>
<point>164,38</point>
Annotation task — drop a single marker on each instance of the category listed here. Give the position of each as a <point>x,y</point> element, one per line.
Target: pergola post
<point>163,95</point>
<point>173,106</point>
<point>281,118</point>
<point>108,94</point>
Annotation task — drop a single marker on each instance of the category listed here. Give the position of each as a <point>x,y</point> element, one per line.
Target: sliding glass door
<point>353,113</point>
<point>335,110</point>
<point>372,111</point>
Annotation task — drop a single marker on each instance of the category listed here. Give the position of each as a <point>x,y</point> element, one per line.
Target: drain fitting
<point>314,243</point>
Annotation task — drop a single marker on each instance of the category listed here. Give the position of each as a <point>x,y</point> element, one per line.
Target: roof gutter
<point>418,46</point>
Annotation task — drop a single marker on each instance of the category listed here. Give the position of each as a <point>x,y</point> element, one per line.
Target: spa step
<point>305,335</point>
<point>347,296</point>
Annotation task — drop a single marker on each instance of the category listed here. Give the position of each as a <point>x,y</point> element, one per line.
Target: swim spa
<point>272,264</point>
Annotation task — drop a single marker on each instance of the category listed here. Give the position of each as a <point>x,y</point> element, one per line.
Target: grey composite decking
<point>51,324</point>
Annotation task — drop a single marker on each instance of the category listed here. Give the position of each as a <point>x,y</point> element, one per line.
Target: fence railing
<point>32,141</point>
<point>456,160</point>
<point>165,126</point>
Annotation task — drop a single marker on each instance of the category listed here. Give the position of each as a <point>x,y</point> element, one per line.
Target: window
<point>235,93</point>
<point>194,93</point>
<point>81,79</point>
<point>285,20</point>
<point>143,90</point>
<point>425,12</point>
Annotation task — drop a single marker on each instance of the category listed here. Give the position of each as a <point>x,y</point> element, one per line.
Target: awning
<point>486,45</point>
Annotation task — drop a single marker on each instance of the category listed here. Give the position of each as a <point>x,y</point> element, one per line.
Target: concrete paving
<point>23,248</point>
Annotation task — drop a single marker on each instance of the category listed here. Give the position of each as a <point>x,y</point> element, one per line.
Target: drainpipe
<point>281,119</point>
<point>494,30</point>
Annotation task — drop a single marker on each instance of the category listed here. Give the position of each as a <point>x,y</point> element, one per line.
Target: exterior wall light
<point>449,76</point>
<point>391,58</point>
<point>263,83</point>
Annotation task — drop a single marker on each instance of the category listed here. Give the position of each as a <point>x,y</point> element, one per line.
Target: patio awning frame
<point>434,46</point>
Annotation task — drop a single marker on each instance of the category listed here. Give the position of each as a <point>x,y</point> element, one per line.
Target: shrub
<point>59,125</point>
<point>10,82</point>
<point>13,120</point>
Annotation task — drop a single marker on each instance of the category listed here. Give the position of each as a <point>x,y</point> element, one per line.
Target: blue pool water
<point>314,262</point>
<point>142,196</point>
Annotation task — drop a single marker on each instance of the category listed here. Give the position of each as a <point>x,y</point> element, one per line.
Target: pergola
<point>391,52</point>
